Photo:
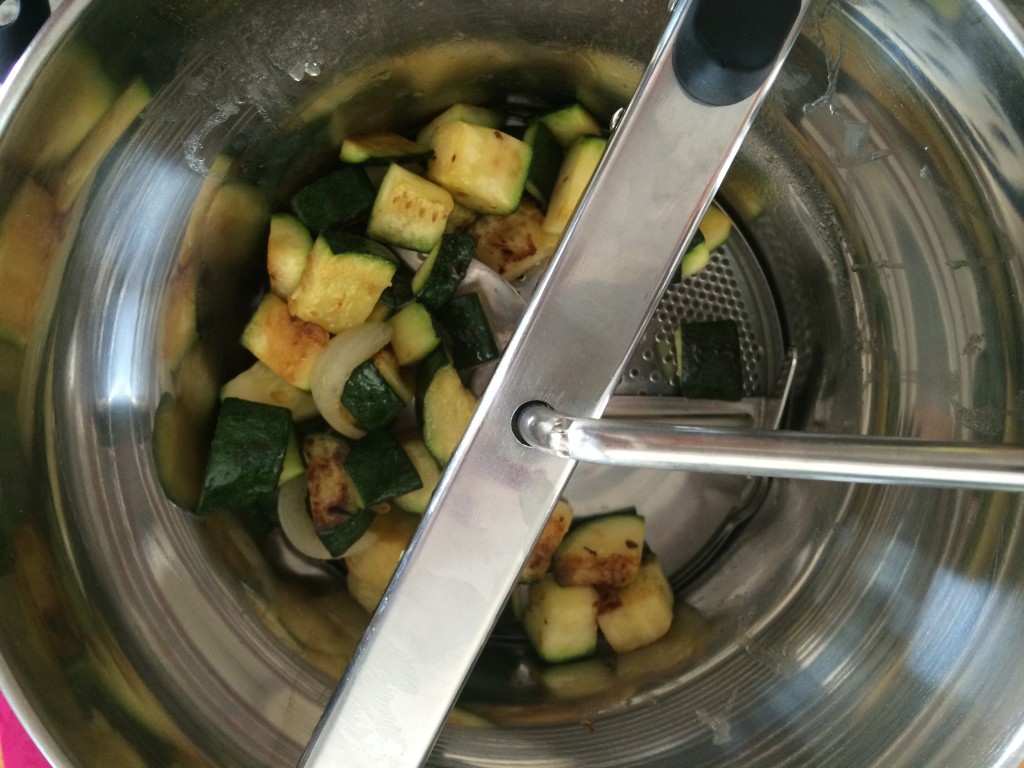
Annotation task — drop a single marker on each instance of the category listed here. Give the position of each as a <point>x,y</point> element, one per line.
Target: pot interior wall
<point>881,191</point>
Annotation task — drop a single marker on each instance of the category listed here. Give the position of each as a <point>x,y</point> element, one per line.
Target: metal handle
<point>803,455</point>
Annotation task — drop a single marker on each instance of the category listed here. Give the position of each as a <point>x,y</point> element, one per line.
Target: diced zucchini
<point>715,227</point>
<point>414,335</point>
<point>569,123</point>
<point>339,539</point>
<point>640,613</point>
<point>383,147</point>
<point>344,354</point>
<point>512,244</point>
<point>340,518</point>
<point>287,248</point>
<point>446,406</point>
<point>561,622</point>
<point>246,455</point>
<point>180,447</point>
<point>337,200</point>
<point>460,218</point>
<point>288,345</point>
<point>417,501</point>
<point>466,113</point>
<point>483,168</point>
<point>261,385</point>
<point>399,293</point>
<point>696,257</point>
<point>380,469</point>
<point>552,535</point>
<point>545,163</point>
<point>293,465</point>
<point>469,331</point>
<point>577,169</point>
<point>444,268</point>
<point>375,393</point>
<point>332,494</point>
<point>709,361</point>
<point>370,570</point>
<point>604,550</point>
<point>344,278</point>
<point>409,211</point>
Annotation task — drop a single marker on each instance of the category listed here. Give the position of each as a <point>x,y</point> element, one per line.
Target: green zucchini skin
<point>545,163</point>
<point>709,360</point>
<point>469,331</point>
<point>444,406</point>
<point>380,469</point>
<point>415,334</point>
<point>436,280</point>
<point>343,243</point>
<point>337,200</point>
<point>601,551</point>
<point>338,538</point>
<point>370,398</point>
<point>246,455</point>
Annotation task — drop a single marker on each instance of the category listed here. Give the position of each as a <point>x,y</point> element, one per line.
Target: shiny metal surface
<point>495,497</point>
<point>880,189</point>
<point>794,455</point>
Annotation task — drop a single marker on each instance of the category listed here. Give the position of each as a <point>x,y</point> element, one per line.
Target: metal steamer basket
<point>874,271</point>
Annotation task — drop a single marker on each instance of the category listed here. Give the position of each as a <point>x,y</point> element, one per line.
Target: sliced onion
<point>296,522</point>
<point>342,355</point>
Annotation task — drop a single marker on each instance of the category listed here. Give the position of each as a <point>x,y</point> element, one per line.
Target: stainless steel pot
<point>881,191</point>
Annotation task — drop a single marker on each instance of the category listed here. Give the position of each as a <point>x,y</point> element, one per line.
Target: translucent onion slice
<point>296,522</point>
<point>342,355</point>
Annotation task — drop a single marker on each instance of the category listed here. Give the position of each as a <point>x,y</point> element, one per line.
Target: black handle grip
<point>16,35</point>
<point>725,48</point>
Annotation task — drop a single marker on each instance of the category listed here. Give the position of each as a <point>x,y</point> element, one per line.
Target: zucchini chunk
<point>552,535</point>
<point>179,452</point>
<point>375,393</point>
<point>261,385</point>
<point>715,227</point>
<point>398,294</point>
<point>340,518</point>
<point>545,162</point>
<point>383,147</point>
<point>569,123</point>
<point>709,361</point>
<point>417,501</point>
<point>288,246</point>
<point>246,455</point>
<point>468,330</point>
<point>577,169</point>
<point>445,405</point>
<point>370,570</point>
<point>604,550</point>
<point>414,335</point>
<point>344,278</point>
<point>288,345</point>
<point>466,113</point>
<point>294,465</point>
<point>640,613</point>
<point>561,622</point>
<point>332,494</point>
<point>444,268</point>
<point>696,257</point>
<point>483,168</point>
<point>513,244</point>
<point>380,469</point>
<point>409,211</point>
<point>337,200</point>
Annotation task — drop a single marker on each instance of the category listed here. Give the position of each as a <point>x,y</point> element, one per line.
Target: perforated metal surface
<point>732,287</point>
